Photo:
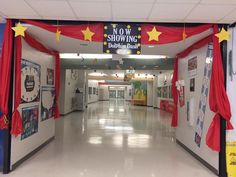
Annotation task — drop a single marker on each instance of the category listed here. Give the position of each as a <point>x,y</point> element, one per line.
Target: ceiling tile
<point>170,11</point>
<point>131,10</point>
<point>54,8</point>
<point>133,1</point>
<point>230,17</point>
<point>91,9</point>
<point>209,12</point>
<point>16,8</point>
<point>218,2</point>
<point>178,1</point>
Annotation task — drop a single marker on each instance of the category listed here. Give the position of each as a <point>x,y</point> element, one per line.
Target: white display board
<point>42,128</point>
<point>193,95</point>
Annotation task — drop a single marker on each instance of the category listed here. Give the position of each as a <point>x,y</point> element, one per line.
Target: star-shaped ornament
<point>88,34</point>
<point>223,35</point>
<point>19,30</point>
<point>58,34</point>
<point>154,35</point>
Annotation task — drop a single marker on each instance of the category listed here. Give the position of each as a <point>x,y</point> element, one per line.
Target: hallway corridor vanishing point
<point>113,139</point>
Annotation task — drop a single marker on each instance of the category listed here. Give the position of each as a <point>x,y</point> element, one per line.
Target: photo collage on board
<point>30,93</point>
<point>35,97</point>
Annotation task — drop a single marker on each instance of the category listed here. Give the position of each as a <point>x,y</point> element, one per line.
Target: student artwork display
<point>203,98</point>
<point>50,76</point>
<point>192,85</point>
<point>192,66</point>
<point>30,81</point>
<point>29,121</point>
<point>180,88</point>
<point>47,103</point>
<point>140,91</point>
<point>231,158</point>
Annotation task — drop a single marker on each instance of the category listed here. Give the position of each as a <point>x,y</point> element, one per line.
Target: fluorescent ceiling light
<point>146,56</point>
<point>97,74</point>
<point>84,56</point>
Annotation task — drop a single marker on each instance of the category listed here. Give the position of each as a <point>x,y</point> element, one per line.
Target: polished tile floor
<point>113,139</point>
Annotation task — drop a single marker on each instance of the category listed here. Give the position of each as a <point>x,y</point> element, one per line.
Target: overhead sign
<point>122,39</point>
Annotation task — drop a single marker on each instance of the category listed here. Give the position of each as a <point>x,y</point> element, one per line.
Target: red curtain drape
<point>73,31</point>
<point>171,34</point>
<point>16,128</point>
<point>218,98</point>
<point>5,72</point>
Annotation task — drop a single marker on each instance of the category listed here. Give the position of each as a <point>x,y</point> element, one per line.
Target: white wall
<point>46,129</point>
<point>160,83</point>
<point>150,93</point>
<point>93,97</point>
<point>185,132</point>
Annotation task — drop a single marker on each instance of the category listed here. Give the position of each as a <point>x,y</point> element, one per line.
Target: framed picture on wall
<point>29,121</point>
<point>90,90</point>
<point>50,76</point>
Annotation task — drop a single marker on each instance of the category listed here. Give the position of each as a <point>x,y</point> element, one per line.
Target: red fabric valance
<point>73,31</point>
<point>5,73</point>
<point>170,34</point>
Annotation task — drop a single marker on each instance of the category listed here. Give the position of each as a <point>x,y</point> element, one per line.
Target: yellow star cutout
<point>223,35</point>
<point>88,34</point>
<point>19,30</point>
<point>58,35</point>
<point>154,34</point>
<point>184,35</point>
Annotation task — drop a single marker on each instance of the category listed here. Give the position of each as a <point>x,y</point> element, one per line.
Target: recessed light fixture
<point>84,56</point>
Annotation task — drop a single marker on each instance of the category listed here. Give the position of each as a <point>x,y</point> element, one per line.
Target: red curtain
<point>5,72</point>
<point>170,34</point>
<point>218,98</point>
<point>16,118</point>
<point>73,31</point>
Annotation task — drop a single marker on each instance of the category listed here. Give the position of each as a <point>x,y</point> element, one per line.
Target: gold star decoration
<point>184,35</point>
<point>154,35</point>
<point>223,35</point>
<point>19,30</point>
<point>58,34</point>
<point>88,34</point>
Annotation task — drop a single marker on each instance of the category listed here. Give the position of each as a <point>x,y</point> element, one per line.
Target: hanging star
<point>58,34</point>
<point>223,35</point>
<point>154,34</point>
<point>88,34</point>
<point>184,35</point>
<point>19,30</point>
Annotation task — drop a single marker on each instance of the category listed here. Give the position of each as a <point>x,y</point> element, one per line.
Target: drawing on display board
<point>29,121</point>
<point>30,81</point>
<point>170,92</point>
<point>181,96</point>
<point>159,91</point>
<point>231,158</point>
<point>50,76</point>
<point>165,92</point>
<point>47,103</point>
<point>192,85</point>
<point>204,96</point>
<point>192,66</point>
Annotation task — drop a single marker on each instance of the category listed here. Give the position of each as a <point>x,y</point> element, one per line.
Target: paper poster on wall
<point>192,66</point>
<point>29,121</point>
<point>231,158</point>
<point>203,97</point>
<point>50,76</point>
<point>181,96</point>
<point>192,85</point>
<point>140,91</point>
<point>47,103</point>
<point>30,81</point>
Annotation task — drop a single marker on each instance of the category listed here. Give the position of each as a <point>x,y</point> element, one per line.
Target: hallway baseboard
<point>207,165</point>
<point>19,162</point>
